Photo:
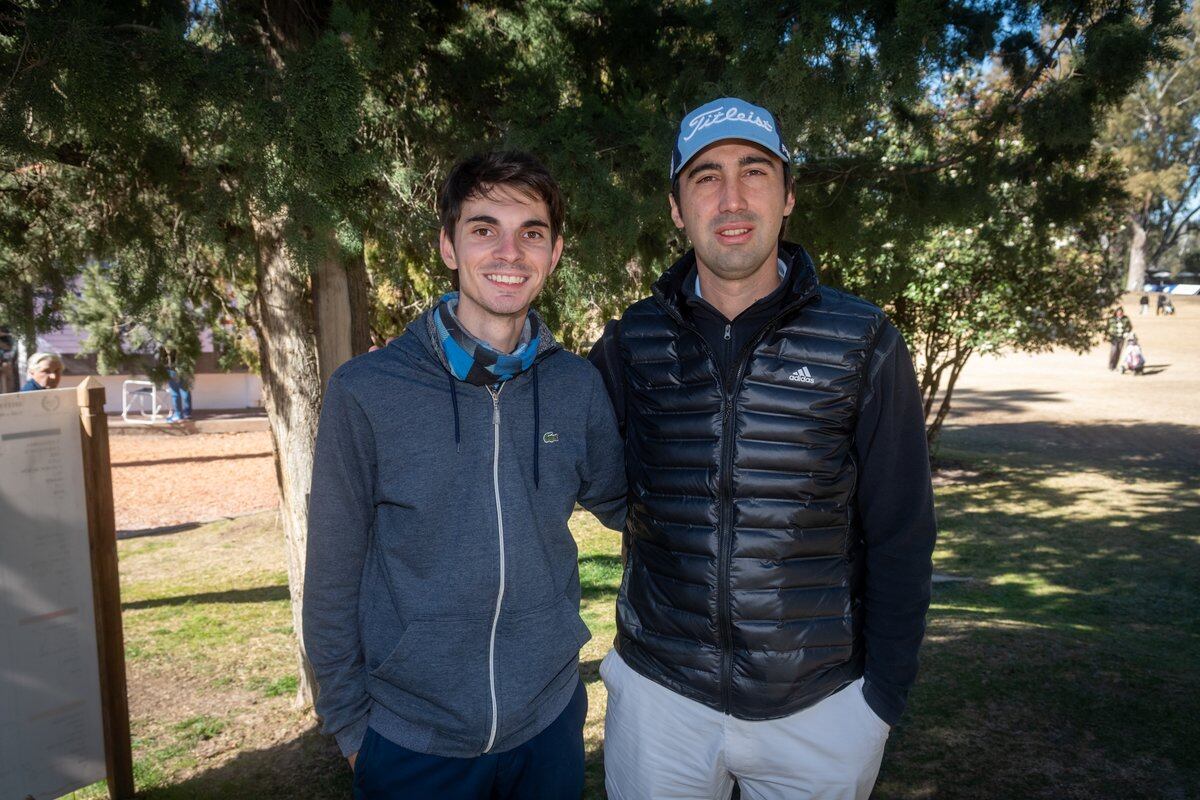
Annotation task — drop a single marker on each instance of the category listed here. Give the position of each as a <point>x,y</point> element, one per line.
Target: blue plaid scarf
<point>474,361</point>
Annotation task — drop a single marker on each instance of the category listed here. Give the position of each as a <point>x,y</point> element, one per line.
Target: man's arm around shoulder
<point>602,485</point>
<point>605,356</point>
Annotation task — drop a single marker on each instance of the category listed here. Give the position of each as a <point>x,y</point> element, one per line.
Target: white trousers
<point>660,745</point>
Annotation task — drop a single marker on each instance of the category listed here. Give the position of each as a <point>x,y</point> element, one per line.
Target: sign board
<point>54,733</point>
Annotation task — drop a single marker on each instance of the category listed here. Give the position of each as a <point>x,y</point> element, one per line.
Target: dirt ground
<point>171,480</point>
<point>1070,400</point>
<point>1066,386</point>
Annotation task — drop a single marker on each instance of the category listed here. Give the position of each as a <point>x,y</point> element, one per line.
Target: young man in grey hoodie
<point>441,608</point>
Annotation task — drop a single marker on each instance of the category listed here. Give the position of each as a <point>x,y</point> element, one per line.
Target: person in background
<point>1160,304</point>
<point>181,396</point>
<point>1119,327</point>
<point>178,386</point>
<point>1144,304</point>
<point>1135,359</point>
<point>44,372</point>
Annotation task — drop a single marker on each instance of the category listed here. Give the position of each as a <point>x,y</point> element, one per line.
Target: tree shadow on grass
<point>589,671</point>
<point>261,594</point>
<point>1087,528</point>
<point>1065,669</point>
<point>1035,712</point>
<point>593,771</point>
<point>156,462</point>
<point>1149,450</point>
<point>599,575</point>
<point>307,766</point>
<point>1014,400</point>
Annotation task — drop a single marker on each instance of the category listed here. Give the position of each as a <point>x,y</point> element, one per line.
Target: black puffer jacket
<point>743,584</point>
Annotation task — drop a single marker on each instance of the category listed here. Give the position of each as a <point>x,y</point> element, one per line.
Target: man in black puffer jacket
<point>780,523</point>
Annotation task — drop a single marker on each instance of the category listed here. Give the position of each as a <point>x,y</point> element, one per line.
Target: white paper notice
<point>51,740</point>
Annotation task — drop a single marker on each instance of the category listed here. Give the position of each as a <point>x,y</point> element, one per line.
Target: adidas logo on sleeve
<point>802,375</point>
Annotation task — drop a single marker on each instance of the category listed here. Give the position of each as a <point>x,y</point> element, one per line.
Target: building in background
<point>213,388</point>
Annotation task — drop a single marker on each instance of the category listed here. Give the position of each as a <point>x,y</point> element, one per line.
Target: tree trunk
<point>934,429</point>
<point>1136,276</point>
<point>28,332</point>
<point>342,302</point>
<point>360,304</point>
<point>292,389</point>
<point>331,300</point>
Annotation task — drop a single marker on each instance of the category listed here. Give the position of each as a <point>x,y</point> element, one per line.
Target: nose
<point>507,248</point>
<point>733,198</point>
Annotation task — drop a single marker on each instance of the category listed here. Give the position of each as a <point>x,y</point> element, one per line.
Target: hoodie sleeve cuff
<point>887,705</point>
<point>350,738</point>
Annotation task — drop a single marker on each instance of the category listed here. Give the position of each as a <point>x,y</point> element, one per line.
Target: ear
<point>558,248</point>
<point>676,217</point>
<point>790,202</point>
<point>446,248</point>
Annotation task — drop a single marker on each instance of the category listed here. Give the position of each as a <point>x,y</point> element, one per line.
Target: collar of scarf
<point>475,361</point>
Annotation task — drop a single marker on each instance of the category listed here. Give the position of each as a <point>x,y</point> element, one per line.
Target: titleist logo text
<point>719,115</point>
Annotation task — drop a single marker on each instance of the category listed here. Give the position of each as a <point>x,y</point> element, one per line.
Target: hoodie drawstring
<point>536,426</point>
<point>454,402</point>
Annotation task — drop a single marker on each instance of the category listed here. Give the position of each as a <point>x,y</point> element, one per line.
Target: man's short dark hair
<point>479,174</point>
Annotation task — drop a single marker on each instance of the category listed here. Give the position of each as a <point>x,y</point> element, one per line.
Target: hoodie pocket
<point>437,676</point>
<point>536,655</point>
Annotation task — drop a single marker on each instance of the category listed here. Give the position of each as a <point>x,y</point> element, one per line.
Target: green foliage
<point>1155,134</point>
<point>1013,281</point>
<point>136,336</point>
<point>338,120</point>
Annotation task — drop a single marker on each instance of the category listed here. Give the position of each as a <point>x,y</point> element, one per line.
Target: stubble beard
<point>734,263</point>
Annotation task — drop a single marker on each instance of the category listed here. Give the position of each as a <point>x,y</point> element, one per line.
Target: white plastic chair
<point>143,401</point>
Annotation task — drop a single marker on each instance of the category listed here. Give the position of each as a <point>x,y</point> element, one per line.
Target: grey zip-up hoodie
<point>441,594</point>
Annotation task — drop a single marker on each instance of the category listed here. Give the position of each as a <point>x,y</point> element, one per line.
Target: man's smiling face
<point>732,202</point>
<point>502,250</point>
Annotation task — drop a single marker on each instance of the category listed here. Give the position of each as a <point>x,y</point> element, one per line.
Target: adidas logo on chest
<point>802,375</point>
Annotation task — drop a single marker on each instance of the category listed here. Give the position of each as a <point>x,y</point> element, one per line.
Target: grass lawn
<point>1066,666</point>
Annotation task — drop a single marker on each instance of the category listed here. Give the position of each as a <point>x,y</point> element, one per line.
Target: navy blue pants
<point>547,767</point>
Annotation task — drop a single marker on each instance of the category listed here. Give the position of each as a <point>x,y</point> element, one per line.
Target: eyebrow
<point>489,220</point>
<point>742,162</point>
<point>702,166</point>
<point>745,160</point>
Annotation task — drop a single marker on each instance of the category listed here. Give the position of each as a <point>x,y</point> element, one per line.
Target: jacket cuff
<point>888,704</point>
<point>350,738</point>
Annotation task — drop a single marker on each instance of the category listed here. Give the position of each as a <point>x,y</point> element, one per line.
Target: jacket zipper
<point>725,537</point>
<point>725,534</point>
<point>495,393</point>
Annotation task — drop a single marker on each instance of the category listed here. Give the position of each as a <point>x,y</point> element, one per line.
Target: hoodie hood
<point>424,329</point>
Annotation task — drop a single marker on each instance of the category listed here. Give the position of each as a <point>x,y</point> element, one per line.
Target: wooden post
<point>106,590</point>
